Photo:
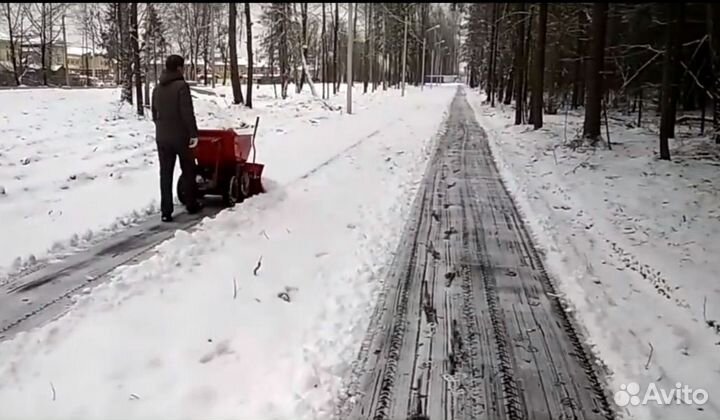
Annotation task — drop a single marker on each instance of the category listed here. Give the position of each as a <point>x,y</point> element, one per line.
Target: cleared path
<point>469,326</point>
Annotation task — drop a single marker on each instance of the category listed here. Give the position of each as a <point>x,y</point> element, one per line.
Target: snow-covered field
<point>633,242</point>
<point>74,166</point>
<point>259,313</point>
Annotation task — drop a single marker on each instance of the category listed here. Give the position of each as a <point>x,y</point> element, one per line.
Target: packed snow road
<point>469,325</point>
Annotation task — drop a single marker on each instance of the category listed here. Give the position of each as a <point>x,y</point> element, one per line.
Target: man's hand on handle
<point>193,142</point>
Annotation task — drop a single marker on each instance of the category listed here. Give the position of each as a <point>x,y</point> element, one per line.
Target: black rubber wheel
<point>232,191</point>
<point>182,190</point>
<point>245,187</point>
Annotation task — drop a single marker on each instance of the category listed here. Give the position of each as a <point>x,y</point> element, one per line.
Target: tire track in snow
<point>36,297</point>
<point>482,315</point>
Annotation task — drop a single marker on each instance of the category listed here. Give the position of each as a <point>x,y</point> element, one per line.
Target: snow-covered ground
<point>74,166</point>
<point>256,315</point>
<point>632,241</point>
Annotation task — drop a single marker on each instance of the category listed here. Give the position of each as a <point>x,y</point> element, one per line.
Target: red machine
<point>222,166</point>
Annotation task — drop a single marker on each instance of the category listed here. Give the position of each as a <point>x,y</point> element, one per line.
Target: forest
<point>540,58</point>
<point>623,57</point>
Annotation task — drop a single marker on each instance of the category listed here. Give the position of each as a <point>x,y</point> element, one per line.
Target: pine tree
<point>593,108</point>
<point>536,108</point>
<point>670,78</point>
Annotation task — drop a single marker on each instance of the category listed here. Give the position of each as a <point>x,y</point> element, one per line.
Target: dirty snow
<point>633,243</point>
<point>193,332</point>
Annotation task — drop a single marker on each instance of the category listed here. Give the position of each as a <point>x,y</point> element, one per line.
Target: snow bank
<point>632,242</point>
<point>194,333</point>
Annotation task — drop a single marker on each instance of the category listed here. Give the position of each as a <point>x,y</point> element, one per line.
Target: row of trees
<point>136,39</point>
<point>301,42</point>
<point>299,34</point>
<point>597,55</point>
<point>32,27</point>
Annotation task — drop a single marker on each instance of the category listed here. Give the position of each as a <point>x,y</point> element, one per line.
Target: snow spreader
<point>223,166</point>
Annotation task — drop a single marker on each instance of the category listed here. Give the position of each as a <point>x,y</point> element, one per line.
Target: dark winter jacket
<point>172,110</point>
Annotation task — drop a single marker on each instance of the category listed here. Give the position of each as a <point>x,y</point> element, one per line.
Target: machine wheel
<point>245,186</point>
<point>182,190</point>
<point>232,192</point>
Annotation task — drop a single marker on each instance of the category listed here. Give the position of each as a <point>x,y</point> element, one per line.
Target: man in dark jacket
<point>176,134</point>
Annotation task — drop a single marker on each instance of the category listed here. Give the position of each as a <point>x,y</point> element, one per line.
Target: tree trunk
<point>283,51</point>
<point>323,44</point>
<point>670,76</point>
<point>713,30</point>
<point>640,107</point>
<point>43,45</point>
<point>372,56</point>
<point>13,56</point>
<point>205,37</point>
<point>519,62</point>
<point>136,58</point>
<point>366,72</point>
<point>385,67</point>
<point>234,73</point>
<point>303,46</point>
<point>127,53</point>
<point>526,64</point>
<point>213,43</point>
<point>578,88</point>
<point>509,88</point>
<point>248,23</point>
<point>155,59</point>
<point>493,54</point>
<point>502,85</point>
<point>336,24</point>
<point>538,75</point>
<point>593,108</point>
<point>272,72</point>
<point>226,63</point>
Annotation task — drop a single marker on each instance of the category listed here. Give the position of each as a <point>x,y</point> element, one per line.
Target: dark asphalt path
<point>469,325</point>
<point>38,296</point>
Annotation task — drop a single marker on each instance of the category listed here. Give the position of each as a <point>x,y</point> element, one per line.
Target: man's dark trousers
<point>167,153</point>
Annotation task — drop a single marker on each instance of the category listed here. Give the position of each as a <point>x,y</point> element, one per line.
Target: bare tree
<point>14,15</point>
<point>366,72</point>
<point>45,26</point>
<point>248,19</point>
<point>336,26</point>
<point>125,52</point>
<point>304,40</point>
<point>323,42</point>
<point>234,73</point>
<point>136,58</point>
